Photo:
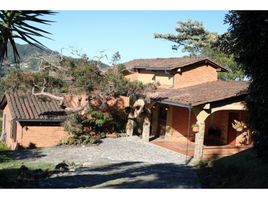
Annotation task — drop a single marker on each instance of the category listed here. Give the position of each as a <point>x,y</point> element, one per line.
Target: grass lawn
<point>9,169</point>
<point>241,170</point>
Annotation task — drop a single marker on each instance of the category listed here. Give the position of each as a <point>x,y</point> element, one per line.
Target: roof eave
<point>191,105</point>
<point>218,99</point>
<point>3,102</point>
<point>153,68</point>
<point>40,120</point>
<point>223,69</point>
<point>173,103</point>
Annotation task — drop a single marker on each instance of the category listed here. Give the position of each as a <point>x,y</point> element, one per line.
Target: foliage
<point>23,81</point>
<point>81,139</point>
<point>192,36</point>
<point>53,84</point>
<point>90,126</point>
<point>115,58</point>
<point>238,125</point>
<point>73,124</point>
<point>19,24</point>
<point>228,61</point>
<point>10,170</point>
<point>86,128</point>
<point>197,41</point>
<point>16,80</point>
<point>241,170</point>
<point>87,76</point>
<point>195,125</point>
<point>247,40</point>
<point>119,120</point>
<point>115,84</point>
<point>98,119</point>
<point>3,146</point>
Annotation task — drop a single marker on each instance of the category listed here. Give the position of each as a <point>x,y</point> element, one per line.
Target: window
<point>4,123</point>
<point>13,130</point>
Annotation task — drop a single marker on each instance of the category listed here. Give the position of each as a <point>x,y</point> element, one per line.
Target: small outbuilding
<point>31,121</point>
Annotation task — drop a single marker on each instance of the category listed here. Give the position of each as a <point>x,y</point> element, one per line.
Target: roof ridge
<point>171,63</point>
<point>170,58</point>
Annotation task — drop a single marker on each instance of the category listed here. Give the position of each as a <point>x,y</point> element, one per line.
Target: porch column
<point>146,129</point>
<point>130,125</point>
<point>199,141</point>
<point>169,122</point>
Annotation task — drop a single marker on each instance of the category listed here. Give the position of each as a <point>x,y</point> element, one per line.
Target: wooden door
<point>162,120</point>
<point>231,131</point>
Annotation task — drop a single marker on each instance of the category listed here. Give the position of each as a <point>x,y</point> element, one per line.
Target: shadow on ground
<point>126,175</point>
<point>23,154</point>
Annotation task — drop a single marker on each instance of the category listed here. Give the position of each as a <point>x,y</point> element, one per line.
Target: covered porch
<point>216,137</point>
<point>213,108</point>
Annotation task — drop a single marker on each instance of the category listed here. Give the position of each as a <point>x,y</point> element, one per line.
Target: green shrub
<point>82,139</point>
<point>3,146</point>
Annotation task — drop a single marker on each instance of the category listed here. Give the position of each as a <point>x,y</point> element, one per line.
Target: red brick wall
<point>195,75</point>
<point>189,76</point>
<point>7,126</point>
<point>41,136</point>
<point>180,123</point>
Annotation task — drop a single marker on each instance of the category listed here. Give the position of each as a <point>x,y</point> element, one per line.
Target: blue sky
<point>129,32</point>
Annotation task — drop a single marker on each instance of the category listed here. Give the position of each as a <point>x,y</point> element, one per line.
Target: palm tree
<point>18,25</point>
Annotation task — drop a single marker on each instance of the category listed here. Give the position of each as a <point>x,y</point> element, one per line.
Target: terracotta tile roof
<point>31,107</point>
<point>203,93</point>
<point>169,63</point>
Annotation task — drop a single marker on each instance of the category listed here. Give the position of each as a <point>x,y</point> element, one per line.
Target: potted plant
<point>195,128</point>
<point>239,125</point>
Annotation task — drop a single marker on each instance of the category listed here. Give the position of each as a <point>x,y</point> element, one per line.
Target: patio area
<point>209,152</point>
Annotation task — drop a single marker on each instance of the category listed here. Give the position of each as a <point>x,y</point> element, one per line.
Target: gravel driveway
<point>116,163</point>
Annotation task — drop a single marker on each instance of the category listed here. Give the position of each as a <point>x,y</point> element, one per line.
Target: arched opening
<point>220,131</point>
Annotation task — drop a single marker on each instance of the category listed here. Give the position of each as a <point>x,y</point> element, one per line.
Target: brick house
<point>190,93</point>
<point>29,121</point>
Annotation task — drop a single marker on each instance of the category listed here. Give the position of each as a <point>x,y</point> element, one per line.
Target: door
<point>162,120</point>
<point>231,131</point>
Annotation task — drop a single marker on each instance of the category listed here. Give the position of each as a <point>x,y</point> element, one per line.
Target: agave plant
<point>19,25</point>
<point>239,125</point>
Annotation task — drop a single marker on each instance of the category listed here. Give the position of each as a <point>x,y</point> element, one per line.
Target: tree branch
<point>47,94</point>
<point>77,109</point>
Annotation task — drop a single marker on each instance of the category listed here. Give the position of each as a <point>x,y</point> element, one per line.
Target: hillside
<point>241,170</point>
<point>28,53</point>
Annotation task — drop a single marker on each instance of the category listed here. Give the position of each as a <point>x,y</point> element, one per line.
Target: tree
<point>192,36</point>
<point>99,106</point>
<point>195,39</point>
<point>228,61</point>
<point>247,40</point>
<point>23,81</point>
<point>18,25</point>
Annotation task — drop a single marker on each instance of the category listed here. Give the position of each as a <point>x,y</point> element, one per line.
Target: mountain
<point>28,55</point>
